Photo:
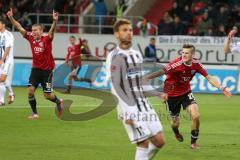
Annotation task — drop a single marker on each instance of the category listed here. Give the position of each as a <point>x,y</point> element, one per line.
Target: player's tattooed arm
<point>15,23</point>
<point>213,81</point>
<point>54,24</point>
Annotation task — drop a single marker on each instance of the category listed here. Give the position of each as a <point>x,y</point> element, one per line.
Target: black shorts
<point>43,77</point>
<point>174,104</point>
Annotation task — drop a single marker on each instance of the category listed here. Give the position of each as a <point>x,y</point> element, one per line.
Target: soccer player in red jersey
<point>73,59</point>
<point>43,62</point>
<point>177,85</point>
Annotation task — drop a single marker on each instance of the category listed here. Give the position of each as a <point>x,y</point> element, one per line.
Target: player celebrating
<point>177,85</point>
<point>235,48</point>
<point>6,62</point>
<point>43,62</point>
<point>73,58</point>
<point>124,71</point>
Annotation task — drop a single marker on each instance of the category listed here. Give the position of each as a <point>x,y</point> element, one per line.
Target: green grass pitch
<point>104,138</point>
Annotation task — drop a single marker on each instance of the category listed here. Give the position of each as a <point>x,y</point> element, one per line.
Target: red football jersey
<point>74,55</point>
<point>179,76</point>
<point>41,52</point>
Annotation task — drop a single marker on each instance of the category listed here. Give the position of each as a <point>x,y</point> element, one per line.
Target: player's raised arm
<point>54,24</point>
<point>216,84</point>
<point>15,23</point>
<point>228,41</point>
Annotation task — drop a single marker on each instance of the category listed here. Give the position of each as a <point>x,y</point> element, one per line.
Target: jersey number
<point>140,131</point>
<point>190,96</point>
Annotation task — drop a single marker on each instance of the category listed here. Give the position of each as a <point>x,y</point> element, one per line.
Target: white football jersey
<point>6,40</point>
<point>124,70</point>
<point>235,48</point>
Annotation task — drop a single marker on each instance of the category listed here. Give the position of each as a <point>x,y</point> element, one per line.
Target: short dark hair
<point>119,23</point>
<point>189,46</point>
<point>72,37</point>
<point>38,25</point>
<point>152,38</point>
<point>2,21</point>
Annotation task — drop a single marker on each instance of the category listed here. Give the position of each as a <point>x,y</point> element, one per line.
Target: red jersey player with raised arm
<point>177,85</point>
<point>43,62</point>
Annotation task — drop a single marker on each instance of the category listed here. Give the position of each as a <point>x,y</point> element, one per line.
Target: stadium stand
<point>197,17</point>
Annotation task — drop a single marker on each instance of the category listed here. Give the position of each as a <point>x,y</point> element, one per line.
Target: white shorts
<point>146,125</point>
<point>7,69</point>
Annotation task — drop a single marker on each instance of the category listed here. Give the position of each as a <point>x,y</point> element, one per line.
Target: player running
<point>125,74</point>
<point>177,85</point>
<point>6,63</point>
<point>73,59</point>
<point>43,62</point>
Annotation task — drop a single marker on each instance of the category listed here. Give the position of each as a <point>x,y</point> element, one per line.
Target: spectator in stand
<point>110,20</point>
<point>186,16</point>
<point>23,5</point>
<point>38,6</point>
<point>178,26</point>
<point>26,21</point>
<point>165,27</point>
<point>210,32</point>
<point>49,7</point>
<point>60,6</point>
<point>70,9</point>
<point>220,31</point>
<point>175,11</point>
<point>144,26</point>
<point>233,2</point>
<point>182,3</point>
<point>204,24</point>
<point>193,31</point>
<point>120,8</point>
<point>151,52</point>
<point>198,7</point>
<point>100,10</point>
<point>222,16</point>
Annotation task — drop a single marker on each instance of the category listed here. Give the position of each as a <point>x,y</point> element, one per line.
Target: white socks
<point>152,150</point>
<point>2,92</point>
<point>146,153</point>
<point>9,86</point>
<point>141,154</point>
<point>10,90</point>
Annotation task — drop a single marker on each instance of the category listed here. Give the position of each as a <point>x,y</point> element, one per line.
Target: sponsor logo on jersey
<point>41,44</point>
<point>134,71</point>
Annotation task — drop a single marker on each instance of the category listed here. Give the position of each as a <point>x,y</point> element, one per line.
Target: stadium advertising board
<point>227,75</point>
<point>208,49</point>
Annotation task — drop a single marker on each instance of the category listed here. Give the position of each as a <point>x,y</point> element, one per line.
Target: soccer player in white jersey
<point>231,48</point>
<point>6,62</point>
<point>124,70</point>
